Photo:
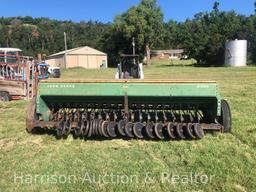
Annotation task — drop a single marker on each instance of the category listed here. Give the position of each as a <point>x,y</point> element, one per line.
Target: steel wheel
<point>60,129</point>
<point>179,131</point>
<point>78,129</point>
<point>121,127</point>
<point>90,128</point>
<point>150,130</point>
<point>189,131</point>
<point>170,130</point>
<point>30,115</point>
<point>66,128</point>
<point>159,130</point>
<point>95,124</point>
<point>137,129</point>
<point>104,126</point>
<point>99,126</point>
<point>128,129</point>
<point>198,131</point>
<point>111,129</point>
<point>85,128</point>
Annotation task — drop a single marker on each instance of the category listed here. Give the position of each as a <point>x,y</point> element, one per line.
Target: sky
<point>105,10</point>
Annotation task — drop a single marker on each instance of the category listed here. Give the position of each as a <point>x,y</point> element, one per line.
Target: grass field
<point>219,162</point>
<point>172,62</point>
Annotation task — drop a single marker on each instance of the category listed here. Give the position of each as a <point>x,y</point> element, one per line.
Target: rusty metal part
<point>64,124</point>
<point>45,124</point>
<point>54,124</point>
<point>211,127</point>
<point>74,124</point>
<point>30,119</point>
<point>78,129</point>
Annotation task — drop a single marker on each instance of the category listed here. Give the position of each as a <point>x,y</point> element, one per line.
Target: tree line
<point>203,37</point>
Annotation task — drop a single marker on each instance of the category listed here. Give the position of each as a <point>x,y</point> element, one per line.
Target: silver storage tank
<point>236,53</point>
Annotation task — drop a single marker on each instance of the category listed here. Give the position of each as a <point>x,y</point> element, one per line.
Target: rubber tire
<point>5,96</point>
<point>226,117</point>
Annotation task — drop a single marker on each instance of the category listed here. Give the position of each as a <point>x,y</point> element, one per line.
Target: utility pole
<point>65,41</point>
<point>133,50</point>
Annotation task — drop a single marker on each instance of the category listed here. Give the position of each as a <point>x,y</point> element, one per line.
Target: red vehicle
<point>17,75</point>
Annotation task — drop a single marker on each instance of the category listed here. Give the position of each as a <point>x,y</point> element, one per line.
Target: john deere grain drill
<point>129,107</point>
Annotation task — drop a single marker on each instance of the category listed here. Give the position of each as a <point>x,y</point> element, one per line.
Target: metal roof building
<point>85,57</point>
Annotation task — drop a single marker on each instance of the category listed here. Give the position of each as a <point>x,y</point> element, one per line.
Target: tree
<point>204,36</point>
<point>43,35</point>
<point>144,22</point>
<point>248,32</point>
<point>216,6</point>
<point>171,36</point>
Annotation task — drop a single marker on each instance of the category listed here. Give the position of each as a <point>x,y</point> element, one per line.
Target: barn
<point>85,57</point>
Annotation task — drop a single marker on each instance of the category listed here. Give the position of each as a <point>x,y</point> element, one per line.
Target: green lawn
<point>172,62</point>
<point>219,162</point>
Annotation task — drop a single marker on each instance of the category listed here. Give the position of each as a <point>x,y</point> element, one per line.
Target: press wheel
<point>158,128</point>
<point>137,129</point>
